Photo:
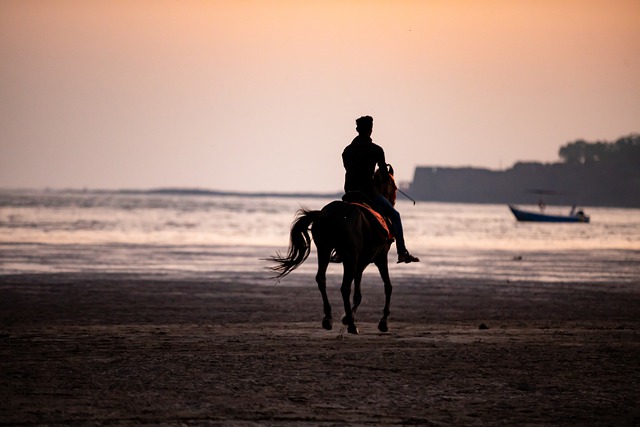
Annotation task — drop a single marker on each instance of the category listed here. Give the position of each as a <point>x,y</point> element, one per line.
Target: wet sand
<point>85,349</point>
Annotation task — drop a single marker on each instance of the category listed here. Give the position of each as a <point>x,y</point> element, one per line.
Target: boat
<point>522,215</point>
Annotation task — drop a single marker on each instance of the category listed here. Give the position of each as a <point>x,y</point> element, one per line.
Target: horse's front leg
<point>383,267</point>
<point>321,279</point>
<point>345,290</point>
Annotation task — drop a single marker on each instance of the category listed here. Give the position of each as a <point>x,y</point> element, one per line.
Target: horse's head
<point>385,184</point>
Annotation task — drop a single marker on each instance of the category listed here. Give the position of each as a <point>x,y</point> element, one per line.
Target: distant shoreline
<point>176,192</point>
<point>419,194</point>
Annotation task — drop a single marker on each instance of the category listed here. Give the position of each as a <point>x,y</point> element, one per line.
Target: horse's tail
<point>299,245</point>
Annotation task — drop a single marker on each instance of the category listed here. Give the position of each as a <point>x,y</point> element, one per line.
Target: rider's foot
<point>335,258</point>
<point>407,258</point>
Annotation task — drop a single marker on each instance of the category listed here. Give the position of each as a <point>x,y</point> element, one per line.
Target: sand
<point>96,349</point>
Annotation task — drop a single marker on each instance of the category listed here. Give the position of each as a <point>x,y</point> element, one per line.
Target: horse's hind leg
<point>357,291</point>
<point>345,290</point>
<point>321,279</point>
<point>383,267</point>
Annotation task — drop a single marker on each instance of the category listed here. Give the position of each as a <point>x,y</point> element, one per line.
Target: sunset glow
<point>262,96</point>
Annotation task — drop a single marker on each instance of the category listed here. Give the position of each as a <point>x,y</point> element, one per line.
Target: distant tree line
<point>625,151</point>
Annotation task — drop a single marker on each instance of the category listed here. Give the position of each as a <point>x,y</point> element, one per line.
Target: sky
<point>256,96</point>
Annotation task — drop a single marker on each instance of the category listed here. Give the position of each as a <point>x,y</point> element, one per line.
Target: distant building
<point>566,184</point>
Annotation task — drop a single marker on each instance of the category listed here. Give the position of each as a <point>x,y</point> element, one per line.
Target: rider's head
<point>364,125</point>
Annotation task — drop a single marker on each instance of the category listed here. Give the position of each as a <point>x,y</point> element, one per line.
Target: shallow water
<point>183,236</point>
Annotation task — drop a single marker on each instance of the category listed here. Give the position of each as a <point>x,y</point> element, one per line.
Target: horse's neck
<point>389,193</point>
<point>386,186</point>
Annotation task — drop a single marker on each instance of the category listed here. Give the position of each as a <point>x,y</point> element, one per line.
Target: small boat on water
<point>522,215</point>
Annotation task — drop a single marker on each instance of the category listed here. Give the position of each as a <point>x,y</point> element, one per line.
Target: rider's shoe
<point>335,258</point>
<point>407,258</point>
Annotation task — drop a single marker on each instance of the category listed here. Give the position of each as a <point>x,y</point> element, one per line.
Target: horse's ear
<point>390,169</point>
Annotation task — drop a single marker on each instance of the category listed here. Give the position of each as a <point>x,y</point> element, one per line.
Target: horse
<point>357,238</point>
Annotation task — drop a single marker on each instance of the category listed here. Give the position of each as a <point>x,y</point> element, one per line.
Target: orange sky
<point>262,95</point>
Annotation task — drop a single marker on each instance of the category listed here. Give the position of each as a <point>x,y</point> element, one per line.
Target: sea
<point>192,235</point>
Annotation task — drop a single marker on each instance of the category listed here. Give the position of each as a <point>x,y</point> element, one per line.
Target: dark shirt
<point>359,159</point>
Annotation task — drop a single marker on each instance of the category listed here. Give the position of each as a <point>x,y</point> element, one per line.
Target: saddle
<point>364,202</point>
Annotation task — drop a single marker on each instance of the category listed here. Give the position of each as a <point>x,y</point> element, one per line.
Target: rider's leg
<point>388,210</point>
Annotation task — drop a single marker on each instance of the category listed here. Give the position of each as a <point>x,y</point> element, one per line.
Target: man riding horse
<point>350,230</point>
<point>360,159</point>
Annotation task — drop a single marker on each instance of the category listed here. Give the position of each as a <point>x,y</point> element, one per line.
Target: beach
<point>126,349</point>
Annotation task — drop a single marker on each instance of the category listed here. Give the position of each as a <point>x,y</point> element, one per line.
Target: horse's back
<point>344,213</point>
<point>346,225</point>
<point>337,220</point>
<point>336,207</point>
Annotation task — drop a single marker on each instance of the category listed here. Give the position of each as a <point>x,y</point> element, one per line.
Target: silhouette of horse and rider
<point>356,231</point>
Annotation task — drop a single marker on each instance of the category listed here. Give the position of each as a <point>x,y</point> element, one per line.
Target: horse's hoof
<point>382,326</point>
<point>327,324</point>
<point>347,322</point>
<point>352,329</point>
